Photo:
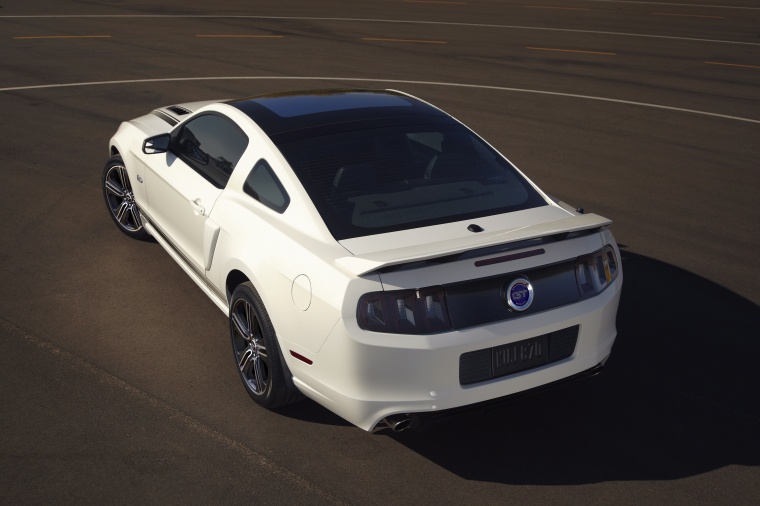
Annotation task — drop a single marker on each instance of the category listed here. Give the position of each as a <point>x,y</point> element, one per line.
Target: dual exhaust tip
<point>396,423</point>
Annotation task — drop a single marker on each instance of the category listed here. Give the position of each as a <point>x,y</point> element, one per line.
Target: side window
<point>263,185</point>
<point>212,145</point>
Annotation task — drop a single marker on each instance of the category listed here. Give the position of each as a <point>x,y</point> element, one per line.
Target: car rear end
<point>441,334</point>
<point>470,283</point>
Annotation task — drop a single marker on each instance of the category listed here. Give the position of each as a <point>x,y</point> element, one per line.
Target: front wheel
<point>256,352</point>
<point>120,200</point>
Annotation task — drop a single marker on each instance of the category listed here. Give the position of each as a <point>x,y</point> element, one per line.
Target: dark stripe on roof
<point>290,116</point>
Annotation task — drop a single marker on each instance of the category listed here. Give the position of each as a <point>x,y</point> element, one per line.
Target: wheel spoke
<point>260,348</point>
<point>250,320</point>
<point>121,212</point>
<point>124,177</point>
<point>246,359</point>
<point>241,326</point>
<point>135,216</point>
<point>114,189</point>
<point>258,372</point>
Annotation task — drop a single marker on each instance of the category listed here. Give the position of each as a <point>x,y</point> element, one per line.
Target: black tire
<point>256,352</point>
<point>120,200</point>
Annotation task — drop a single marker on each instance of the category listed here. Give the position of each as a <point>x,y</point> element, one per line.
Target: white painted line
<point>390,81</point>
<point>400,21</point>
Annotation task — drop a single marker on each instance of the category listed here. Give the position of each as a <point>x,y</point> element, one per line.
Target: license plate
<point>519,356</point>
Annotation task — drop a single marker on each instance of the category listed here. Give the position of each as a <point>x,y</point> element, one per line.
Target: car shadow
<point>677,398</point>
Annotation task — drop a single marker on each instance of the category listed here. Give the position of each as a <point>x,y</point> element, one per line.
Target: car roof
<point>295,115</point>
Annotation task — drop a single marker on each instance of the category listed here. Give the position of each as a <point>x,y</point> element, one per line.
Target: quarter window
<point>212,145</point>
<point>263,185</point>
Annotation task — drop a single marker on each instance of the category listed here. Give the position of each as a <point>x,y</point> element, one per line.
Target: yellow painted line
<point>732,65</point>
<point>686,15</point>
<point>559,8</point>
<point>433,2</point>
<point>406,40</point>
<point>241,36</point>
<point>65,37</point>
<point>569,50</point>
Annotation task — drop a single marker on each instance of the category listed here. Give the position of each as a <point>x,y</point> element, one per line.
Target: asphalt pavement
<point>116,379</point>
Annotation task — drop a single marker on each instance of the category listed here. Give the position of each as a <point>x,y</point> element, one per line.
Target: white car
<point>372,253</point>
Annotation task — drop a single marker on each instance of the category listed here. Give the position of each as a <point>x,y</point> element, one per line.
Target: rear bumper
<point>365,377</point>
<point>421,421</point>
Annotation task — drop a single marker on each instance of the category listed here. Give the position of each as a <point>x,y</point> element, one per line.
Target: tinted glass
<point>291,106</point>
<point>387,179</point>
<point>264,186</point>
<point>212,145</point>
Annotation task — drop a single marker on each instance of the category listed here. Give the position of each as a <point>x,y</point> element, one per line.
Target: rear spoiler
<point>360,265</point>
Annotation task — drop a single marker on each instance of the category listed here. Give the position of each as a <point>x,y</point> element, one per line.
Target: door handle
<point>198,208</point>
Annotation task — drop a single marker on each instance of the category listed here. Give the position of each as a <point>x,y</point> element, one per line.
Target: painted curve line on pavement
<point>389,81</point>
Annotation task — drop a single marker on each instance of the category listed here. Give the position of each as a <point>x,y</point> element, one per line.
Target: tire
<point>256,352</point>
<point>120,200</point>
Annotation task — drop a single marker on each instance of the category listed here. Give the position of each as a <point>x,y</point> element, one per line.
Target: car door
<point>183,185</point>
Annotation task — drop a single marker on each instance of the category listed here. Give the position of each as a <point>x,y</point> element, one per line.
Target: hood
<point>383,250</point>
<point>164,119</point>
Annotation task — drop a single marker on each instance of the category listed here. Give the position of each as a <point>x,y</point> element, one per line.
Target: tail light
<point>420,311</point>
<point>596,272</point>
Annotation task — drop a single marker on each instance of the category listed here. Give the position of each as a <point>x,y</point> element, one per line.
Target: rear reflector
<point>301,357</point>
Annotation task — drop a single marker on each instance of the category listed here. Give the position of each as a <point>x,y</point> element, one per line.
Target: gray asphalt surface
<point>116,378</point>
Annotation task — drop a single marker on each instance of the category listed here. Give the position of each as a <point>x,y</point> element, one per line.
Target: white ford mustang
<point>372,253</point>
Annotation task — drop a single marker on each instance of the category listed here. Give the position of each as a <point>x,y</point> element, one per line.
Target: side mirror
<point>156,144</point>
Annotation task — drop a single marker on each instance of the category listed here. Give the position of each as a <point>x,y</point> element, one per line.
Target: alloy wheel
<point>249,346</point>
<point>121,200</point>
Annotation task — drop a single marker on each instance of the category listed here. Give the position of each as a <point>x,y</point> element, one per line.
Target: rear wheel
<point>256,351</point>
<point>120,199</point>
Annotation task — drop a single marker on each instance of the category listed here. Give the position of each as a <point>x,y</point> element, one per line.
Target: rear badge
<point>519,294</point>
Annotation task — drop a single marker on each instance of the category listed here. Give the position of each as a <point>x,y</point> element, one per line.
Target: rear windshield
<point>387,179</point>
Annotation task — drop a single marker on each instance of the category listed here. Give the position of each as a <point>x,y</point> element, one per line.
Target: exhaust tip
<point>396,423</point>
